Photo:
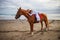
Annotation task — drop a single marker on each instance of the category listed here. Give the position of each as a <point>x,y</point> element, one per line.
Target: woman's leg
<point>37,16</point>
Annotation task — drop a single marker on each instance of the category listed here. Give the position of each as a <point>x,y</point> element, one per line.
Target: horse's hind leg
<point>46,24</point>
<point>41,26</point>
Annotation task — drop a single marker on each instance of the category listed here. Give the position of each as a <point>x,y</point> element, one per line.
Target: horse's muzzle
<point>15,17</point>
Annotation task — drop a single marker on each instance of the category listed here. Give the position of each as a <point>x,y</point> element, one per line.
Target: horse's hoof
<point>41,30</point>
<point>47,29</point>
<point>32,33</point>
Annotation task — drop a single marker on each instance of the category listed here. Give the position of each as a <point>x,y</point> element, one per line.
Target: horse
<point>32,19</point>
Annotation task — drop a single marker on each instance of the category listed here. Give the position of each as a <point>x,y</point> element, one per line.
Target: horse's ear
<point>20,7</point>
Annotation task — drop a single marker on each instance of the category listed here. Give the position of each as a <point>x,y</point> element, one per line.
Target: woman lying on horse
<point>32,18</point>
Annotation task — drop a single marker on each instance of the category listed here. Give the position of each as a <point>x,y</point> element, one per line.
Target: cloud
<point>33,4</point>
<point>39,1</point>
<point>40,4</point>
<point>52,5</point>
<point>46,6</point>
<point>26,5</point>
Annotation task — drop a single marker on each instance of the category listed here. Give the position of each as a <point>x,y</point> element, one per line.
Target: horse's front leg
<point>31,28</point>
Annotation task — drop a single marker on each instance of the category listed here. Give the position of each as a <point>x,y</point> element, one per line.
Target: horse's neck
<point>27,15</point>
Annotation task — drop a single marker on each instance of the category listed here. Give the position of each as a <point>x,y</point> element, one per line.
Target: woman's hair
<point>29,10</point>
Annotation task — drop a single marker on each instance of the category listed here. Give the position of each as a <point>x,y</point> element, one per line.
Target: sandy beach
<point>19,30</point>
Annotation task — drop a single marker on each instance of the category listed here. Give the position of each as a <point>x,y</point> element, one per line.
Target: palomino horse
<point>32,19</point>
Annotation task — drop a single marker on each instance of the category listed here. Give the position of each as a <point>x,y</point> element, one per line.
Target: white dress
<point>37,16</point>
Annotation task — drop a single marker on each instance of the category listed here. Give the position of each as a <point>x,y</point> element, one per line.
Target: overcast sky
<point>48,6</point>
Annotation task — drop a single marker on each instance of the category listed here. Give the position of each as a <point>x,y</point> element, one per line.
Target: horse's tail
<point>47,20</point>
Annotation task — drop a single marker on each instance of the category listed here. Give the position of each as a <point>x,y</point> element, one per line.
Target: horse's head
<point>22,12</point>
<point>18,14</point>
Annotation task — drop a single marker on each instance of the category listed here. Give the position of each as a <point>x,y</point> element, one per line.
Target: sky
<point>8,8</point>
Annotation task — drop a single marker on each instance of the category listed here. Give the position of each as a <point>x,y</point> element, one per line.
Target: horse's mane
<point>25,12</point>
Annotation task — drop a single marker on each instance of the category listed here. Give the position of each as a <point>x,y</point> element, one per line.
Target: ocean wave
<point>50,17</point>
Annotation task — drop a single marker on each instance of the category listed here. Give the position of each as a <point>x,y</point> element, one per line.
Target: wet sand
<point>19,30</point>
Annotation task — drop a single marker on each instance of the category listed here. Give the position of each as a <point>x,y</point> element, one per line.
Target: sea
<point>12,17</point>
